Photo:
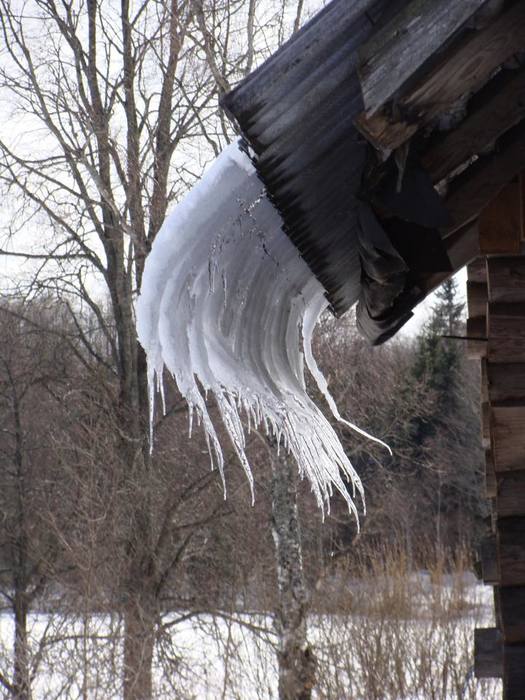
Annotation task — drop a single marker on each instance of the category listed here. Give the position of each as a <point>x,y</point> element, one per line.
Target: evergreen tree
<point>446,435</point>
<point>438,359</point>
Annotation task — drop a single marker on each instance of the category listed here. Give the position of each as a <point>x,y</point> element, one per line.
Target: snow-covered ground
<point>372,656</point>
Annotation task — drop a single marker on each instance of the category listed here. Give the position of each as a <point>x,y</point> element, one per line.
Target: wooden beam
<point>500,223</point>
<point>511,550</point>
<point>488,653</point>
<point>477,297</point>
<point>502,108</point>
<point>485,424</point>
<point>477,270</point>
<point>484,381</point>
<point>508,438</point>
<point>522,201</point>
<point>511,604</point>
<point>491,488</point>
<point>496,603</point>
<point>514,672</point>
<point>506,279</point>
<point>462,71</point>
<point>506,383</point>
<point>489,560</point>
<point>393,54</point>
<point>477,337</point>
<point>510,497</point>
<point>476,187</point>
<point>506,332</point>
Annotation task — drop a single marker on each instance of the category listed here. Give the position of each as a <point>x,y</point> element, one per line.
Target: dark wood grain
<point>395,52</point>
<point>463,70</point>
<point>498,111</point>
<point>511,550</point>
<point>506,279</point>
<point>488,653</point>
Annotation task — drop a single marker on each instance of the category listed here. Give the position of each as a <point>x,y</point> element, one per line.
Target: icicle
<point>310,319</point>
<point>244,340</point>
<point>190,419</point>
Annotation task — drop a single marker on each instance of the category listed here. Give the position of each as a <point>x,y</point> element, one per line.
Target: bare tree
<point>32,379</point>
<point>118,102</point>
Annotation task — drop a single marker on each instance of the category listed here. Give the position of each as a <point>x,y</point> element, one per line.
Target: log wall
<point>496,331</point>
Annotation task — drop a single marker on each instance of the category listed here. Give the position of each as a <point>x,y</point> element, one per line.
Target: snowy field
<point>377,656</point>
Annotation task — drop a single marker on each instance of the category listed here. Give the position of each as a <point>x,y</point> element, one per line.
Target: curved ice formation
<point>228,306</point>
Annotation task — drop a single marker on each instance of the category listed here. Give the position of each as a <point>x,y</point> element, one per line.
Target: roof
<point>381,131</point>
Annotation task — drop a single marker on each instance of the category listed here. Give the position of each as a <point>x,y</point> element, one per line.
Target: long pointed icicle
<point>228,306</point>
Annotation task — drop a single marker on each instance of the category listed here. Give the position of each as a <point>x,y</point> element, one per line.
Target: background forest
<point>107,551</point>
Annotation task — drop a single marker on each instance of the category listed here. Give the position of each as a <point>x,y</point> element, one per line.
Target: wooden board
<point>522,200</point>
<point>484,380</point>
<point>508,438</point>
<point>506,332</point>
<point>489,561</point>
<point>477,270</point>
<point>502,105</point>
<point>506,383</point>
<point>490,475</point>
<point>514,672</point>
<point>477,337</point>
<point>393,54</point>
<point>488,653</point>
<point>471,191</point>
<point>506,279</point>
<point>477,297</point>
<point>500,223</point>
<point>510,496</point>
<point>462,71</point>
<point>485,424</point>
<point>512,613</point>
<point>511,550</point>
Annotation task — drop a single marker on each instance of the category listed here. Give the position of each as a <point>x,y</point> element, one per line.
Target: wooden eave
<point>383,132</point>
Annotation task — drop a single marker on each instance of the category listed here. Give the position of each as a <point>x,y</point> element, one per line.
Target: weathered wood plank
<point>393,54</point>
<point>506,332</point>
<point>522,200</point>
<point>514,672</point>
<point>506,383</point>
<point>477,337</point>
<point>477,270</point>
<point>477,297</point>
<point>484,382</point>
<point>462,71</point>
<point>475,188</point>
<point>490,475</point>
<point>511,604</point>
<point>489,560</point>
<point>511,550</point>
<point>488,653</point>
<point>501,109</point>
<point>506,279</point>
<point>485,424</point>
<point>496,603</point>
<point>510,497</point>
<point>508,438</point>
<point>500,223</point>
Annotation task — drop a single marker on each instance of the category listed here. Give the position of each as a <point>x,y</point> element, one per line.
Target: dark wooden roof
<point>381,131</point>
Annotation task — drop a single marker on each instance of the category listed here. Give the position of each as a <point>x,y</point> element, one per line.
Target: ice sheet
<point>228,306</point>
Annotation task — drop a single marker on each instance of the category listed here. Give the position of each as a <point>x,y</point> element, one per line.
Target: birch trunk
<point>295,657</point>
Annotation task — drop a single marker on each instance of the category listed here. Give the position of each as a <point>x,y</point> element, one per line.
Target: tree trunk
<point>295,657</point>
<point>139,642</point>
<point>21,678</point>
